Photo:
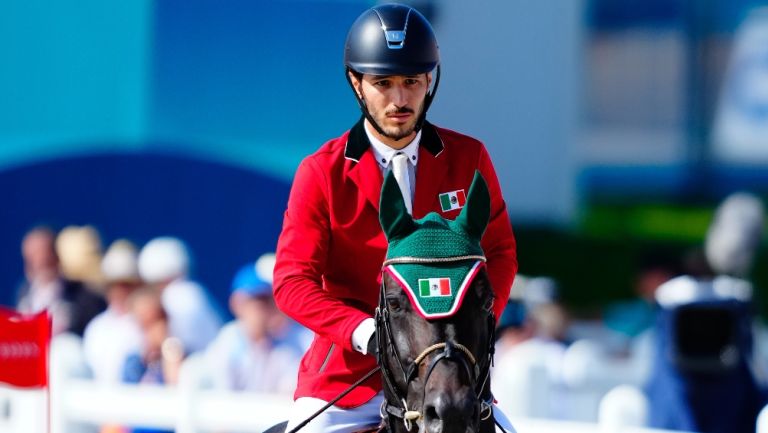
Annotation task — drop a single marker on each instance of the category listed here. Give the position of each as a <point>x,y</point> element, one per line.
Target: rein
<point>337,398</point>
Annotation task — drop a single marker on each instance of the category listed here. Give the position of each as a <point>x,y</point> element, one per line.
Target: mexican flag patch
<point>429,287</point>
<point>452,200</point>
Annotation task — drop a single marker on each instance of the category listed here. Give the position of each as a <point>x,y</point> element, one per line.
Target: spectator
<point>79,251</point>
<point>70,303</point>
<point>160,358</point>
<point>161,354</point>
<point>541,305</point>
<point>164,263</point>
<point>244,356</point>
<point>532,336</point>
<point>704,370</point>
<point>282,328</point>
<point>631,318</point>
<point>529,360</point>
<point>735,234</point>
<point>114,334</point>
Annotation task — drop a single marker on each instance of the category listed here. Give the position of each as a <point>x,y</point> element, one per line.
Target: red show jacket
<point>331,248</point>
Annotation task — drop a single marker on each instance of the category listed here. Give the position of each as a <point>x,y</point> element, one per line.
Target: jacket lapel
<point>363,168</point>
<point>432,169</point>
<point>366,174</point>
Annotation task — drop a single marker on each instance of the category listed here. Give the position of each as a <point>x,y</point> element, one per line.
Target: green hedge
<point>597,262</point>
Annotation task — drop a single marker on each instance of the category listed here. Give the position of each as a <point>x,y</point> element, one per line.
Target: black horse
<point>434,352</point>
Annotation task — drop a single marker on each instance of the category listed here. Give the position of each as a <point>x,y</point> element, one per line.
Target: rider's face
<point>395,102</point>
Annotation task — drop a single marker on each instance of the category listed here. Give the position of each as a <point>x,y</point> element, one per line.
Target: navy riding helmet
<point>392,39</point>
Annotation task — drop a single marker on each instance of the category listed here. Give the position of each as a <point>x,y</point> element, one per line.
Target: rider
<point>331,249</point>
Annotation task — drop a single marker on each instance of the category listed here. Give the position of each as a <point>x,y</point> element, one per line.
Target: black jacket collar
<point>358,143</point>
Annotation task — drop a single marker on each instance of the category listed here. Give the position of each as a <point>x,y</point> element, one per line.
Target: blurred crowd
<point>140,315</point>
<point>690,343</point>
<point>689,353</point>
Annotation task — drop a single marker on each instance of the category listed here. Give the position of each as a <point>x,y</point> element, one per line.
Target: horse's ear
<point>393,215</point>
<point>477,210</point>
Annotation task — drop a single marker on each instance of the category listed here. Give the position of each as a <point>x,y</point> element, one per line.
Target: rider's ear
<point>393,215</point>
<point>476,212</point>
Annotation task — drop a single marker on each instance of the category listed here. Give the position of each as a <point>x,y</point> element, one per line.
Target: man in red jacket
<point>331,249</point>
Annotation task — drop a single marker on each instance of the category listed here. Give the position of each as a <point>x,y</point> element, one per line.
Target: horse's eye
<point>393,303</point>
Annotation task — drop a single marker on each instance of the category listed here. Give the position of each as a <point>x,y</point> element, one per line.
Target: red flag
<point>24,342</point>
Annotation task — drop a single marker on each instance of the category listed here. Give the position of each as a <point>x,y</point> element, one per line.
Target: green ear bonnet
<point>434,259</point>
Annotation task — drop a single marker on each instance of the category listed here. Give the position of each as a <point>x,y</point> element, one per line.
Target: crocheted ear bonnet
<point>434,259</point>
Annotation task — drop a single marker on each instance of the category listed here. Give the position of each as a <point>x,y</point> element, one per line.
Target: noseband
<point>449,350</point>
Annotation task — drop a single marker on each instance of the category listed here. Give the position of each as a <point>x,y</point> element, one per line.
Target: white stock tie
<point>400,170</point>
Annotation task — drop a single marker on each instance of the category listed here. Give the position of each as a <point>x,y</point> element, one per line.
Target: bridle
<point>477,371</point>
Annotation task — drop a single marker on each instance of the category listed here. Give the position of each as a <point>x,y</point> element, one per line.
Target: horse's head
<point>434,320</point>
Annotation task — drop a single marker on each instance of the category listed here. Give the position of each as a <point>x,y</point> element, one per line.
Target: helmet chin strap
<point>419,123</point>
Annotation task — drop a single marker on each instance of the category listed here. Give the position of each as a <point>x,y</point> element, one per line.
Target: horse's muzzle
<point>446,412</point>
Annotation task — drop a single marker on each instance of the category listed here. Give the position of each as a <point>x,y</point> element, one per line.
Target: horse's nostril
<point>432,421</point>
<point>430,413</point>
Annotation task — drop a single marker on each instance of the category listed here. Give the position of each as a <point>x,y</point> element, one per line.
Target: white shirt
<point>384,155</point>
<point>107,341</point>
